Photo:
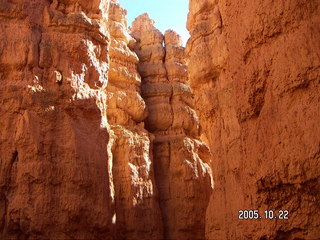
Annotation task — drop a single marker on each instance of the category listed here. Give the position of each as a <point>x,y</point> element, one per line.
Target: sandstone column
<point>137,209</point>
<point>181,160</point>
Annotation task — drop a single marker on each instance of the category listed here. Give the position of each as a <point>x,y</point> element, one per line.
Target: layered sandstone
<point>99,131</point>
<point>54,182</point>
<point>255,69</point>
<point>183,176</point>
<point>131,155</point>
<point>76,159</point>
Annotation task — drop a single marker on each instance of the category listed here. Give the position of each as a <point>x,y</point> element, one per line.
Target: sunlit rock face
<point>135,194</point>
<point>53,136</point>
<point>254,68</point>
<point>181,160</point>
<point>77,161</point>
<point>103,129</point>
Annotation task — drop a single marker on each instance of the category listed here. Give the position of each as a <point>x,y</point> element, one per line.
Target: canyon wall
<point>88,149</point>
<point>254,67</point>
<point>181,160</point>
<point>54,182</point>
<point>111,133</point>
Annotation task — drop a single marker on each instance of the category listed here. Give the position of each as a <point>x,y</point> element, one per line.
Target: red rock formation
<point>132,167</point>
<point>183,176</point>
<point>53,139</point>
<point>91,150</point>
<point>76,160</point>
<point>255,69</point>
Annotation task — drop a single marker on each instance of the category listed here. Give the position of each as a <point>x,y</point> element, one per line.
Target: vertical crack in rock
<point>8,176</point>
<point>181,160</point>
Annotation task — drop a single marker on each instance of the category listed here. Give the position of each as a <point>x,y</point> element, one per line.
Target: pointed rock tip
<point>171,37</point>
<point>144,17</point>
<point>141,24</point>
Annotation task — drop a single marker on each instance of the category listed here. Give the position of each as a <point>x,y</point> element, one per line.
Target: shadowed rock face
<point>255,68</point>
<point>183,176</point>
<point>53,136</point>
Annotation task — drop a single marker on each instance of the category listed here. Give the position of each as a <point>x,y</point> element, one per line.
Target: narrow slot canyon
<point>117,130</point>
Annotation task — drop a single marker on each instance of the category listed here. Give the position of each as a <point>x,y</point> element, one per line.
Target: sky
<point>168,14</point>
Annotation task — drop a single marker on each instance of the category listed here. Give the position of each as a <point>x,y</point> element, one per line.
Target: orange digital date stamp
<point>267,214</point>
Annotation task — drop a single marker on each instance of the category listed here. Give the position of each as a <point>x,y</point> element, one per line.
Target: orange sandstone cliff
<point>86,150</point>
<point>54,182</point>
<point>254,67</point>
<point>108,132</point>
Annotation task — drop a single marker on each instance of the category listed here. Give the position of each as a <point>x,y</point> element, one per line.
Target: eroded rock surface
<point>136,204</point>
<point>181,160</point>
<point>255,69</point>
<point>54,182</point>
<point>76,159</point>
<point>99,135</point>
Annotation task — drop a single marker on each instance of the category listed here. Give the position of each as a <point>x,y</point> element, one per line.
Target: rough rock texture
<point>131,145</point>
<point>76,160</point>
<point>91,150</point>
<point>255,70</point>
<point>183,176</point>
<point>54,181</point>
